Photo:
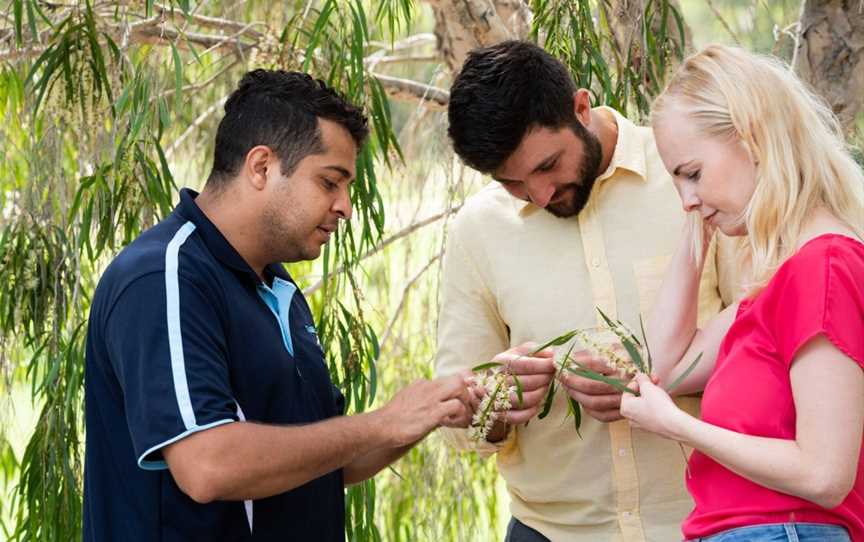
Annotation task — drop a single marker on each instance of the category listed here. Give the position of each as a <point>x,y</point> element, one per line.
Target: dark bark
<point>830,54</point>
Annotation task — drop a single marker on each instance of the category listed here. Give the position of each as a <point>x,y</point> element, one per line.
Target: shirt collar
<point>629,150</point>
<point>218,245</point>
<point>629,154</point>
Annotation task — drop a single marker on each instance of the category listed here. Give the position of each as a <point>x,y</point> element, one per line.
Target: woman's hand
<point>653,410</point>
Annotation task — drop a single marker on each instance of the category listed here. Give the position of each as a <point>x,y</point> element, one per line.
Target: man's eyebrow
<point>547,162</point>
<point>677,170</point>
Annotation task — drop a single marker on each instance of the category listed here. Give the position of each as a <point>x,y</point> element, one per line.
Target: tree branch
<point>723,22</point>
<point>209,22</point>
<point>388,331</point>
<point>404,58</point>
<point>197,86</point>
<point>405,43</point>
<point>195,124</point>
<point>395,237</point>
<point>405,89</point>
<point>158,35</point>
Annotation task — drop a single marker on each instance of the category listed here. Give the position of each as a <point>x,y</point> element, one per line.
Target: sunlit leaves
<point>625,78</point>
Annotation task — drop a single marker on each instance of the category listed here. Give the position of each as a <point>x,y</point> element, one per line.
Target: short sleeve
<point>166,344</point>
<point>823,294</point>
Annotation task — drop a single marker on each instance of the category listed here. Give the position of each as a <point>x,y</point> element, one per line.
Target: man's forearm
<point>370,464</point>
<point>242,460</point>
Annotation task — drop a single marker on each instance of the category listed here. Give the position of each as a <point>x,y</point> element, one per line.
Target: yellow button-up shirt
<point>513,273</point>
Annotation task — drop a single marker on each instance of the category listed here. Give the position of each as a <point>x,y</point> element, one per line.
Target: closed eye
<point>548,167</point>
<point>694,176</point>
<point>328,184</point>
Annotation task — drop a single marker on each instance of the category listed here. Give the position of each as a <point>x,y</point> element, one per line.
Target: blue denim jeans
<point>781,532</point>
<point>519,532</point>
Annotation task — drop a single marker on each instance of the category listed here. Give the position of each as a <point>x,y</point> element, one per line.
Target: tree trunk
<point>830,54</point>
<point>462,25</point>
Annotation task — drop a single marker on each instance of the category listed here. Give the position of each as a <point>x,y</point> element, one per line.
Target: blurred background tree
<point>108,107</point>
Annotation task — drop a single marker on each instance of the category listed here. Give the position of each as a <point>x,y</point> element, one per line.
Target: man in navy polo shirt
<point>210,412</point>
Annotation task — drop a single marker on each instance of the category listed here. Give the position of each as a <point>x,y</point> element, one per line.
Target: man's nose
<point>342,204</point>
<point>540,193</point>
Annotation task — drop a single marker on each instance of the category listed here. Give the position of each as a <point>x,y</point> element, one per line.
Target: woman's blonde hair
<point>802,161</point>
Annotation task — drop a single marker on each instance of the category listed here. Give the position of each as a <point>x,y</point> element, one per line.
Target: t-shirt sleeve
<point>167,347</point>
<point>824,295</point>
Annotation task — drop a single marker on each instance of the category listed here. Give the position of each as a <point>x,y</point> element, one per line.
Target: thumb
<point>642,378</point>
<point>644,383</point>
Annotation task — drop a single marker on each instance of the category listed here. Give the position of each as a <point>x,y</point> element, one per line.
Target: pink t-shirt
<point>817,291</point>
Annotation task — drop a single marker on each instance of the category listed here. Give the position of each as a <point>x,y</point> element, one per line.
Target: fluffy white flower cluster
<point>605,350</point>
<point>496,398</point>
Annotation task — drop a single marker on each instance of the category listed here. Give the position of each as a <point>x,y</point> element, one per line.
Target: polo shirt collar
<point>218,244</point>
<point>629,154</point>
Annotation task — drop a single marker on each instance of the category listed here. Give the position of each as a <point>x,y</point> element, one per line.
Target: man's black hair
<point>502,92</point>
<point>279,109</point>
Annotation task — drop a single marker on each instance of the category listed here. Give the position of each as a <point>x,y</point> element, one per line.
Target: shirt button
<point>622,452</point>
<point>595,263</point>
<point>627,514</point>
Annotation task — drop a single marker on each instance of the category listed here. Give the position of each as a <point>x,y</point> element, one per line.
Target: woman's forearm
<point>671,325</point>
<point>778,464</point>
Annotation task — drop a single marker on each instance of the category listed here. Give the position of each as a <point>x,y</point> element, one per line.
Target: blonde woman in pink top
<point>777,455</point>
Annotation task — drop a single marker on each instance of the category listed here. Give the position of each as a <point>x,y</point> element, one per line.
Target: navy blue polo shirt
<point>183,336</point>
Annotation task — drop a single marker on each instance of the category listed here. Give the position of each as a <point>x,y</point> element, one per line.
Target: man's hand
<point>424,406</point>
<point>535,373</point>
<point>600,401</point>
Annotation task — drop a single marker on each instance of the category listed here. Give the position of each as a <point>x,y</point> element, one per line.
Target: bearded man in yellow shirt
<point>581,214</point>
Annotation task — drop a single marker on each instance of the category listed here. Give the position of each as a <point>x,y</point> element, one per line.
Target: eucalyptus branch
<point>405,43</point>
<point>209,22</point>
<point>405,89</point>
<point>154,35</point>
<point>395,237</point>
<point>197,86</point>
<point>194,126</point>
<point>146,33</point>
<point>388,331</point>
<point>16,53</point>
<point>374,61</point>
<point>723,22</point>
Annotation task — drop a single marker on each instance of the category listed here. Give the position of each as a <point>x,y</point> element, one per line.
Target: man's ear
<point>258,160</point>
<point>582,106</point>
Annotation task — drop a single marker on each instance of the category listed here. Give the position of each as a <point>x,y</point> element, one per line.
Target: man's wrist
<point>378,428</point>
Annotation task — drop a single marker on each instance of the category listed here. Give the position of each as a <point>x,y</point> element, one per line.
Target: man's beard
<point>574,196</point>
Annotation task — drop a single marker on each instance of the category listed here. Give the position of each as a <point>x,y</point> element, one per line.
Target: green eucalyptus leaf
<point>649,361</point>
<point>593,375</point>
<point>635,355</point>
<point>677,382</point>
<point>557,341</point>
<point>550,395</point>
<point>518,389</point>
<point>576,410</point>
<point>485,366</point>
